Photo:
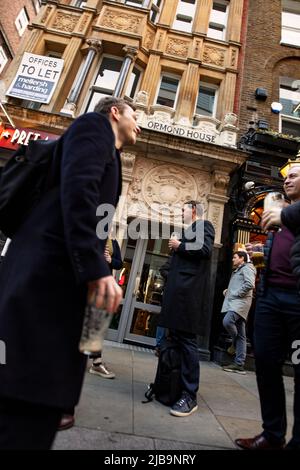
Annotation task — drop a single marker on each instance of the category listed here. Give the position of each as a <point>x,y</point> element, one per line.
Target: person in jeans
<point>277,321</point>
<point>185,299</point>
<point>236,305</point>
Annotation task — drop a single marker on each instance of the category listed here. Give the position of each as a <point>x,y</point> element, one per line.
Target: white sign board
<point>36,78</point>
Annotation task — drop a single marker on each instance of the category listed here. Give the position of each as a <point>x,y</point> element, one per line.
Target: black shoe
<point>185,406</point>
<point>292,446</point>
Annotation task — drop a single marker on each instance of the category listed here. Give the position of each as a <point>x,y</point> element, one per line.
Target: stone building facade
<point>178,60</point>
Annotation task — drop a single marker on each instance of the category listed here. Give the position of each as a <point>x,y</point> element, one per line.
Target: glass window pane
<point>290,127</point>
<point>133,83</point>
<point>108,73</point>
<point>215,32</point>
<point>167,91</point>
<point>96,96</point>
<point>205,101</point>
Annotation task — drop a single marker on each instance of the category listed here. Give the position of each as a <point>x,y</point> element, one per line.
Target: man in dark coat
<point>53,262</point>
<point>184,298</point>
<point>277,321</point>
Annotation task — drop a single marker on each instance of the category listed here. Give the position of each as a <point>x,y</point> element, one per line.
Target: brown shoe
<point>66,422</point>
<point>257,443</point>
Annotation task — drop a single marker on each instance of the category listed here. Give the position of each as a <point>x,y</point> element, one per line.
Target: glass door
<point>147,289</point>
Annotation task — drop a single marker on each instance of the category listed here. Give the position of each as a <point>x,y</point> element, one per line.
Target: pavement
<point>111,415</point>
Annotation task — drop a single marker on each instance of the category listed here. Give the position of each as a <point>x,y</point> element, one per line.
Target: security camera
<point>249,185</point>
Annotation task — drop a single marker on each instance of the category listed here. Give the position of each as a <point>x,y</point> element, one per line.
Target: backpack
<point>23,181</point>
<point>167,386</point>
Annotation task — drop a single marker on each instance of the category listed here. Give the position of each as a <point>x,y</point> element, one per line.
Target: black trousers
<point>26,426</point>
<point>276,331</point>
<point>190,367</point>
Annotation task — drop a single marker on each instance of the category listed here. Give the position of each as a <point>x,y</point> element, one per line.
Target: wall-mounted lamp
<point>261,94</point>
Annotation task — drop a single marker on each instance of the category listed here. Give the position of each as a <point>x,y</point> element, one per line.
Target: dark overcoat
<point>291,219</point>
<point>43,279</point>
<point>185,294</point>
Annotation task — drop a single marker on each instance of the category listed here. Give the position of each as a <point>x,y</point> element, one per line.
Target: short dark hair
<point>241,254</point>
<point>196,204</point>
<point>105,104</point>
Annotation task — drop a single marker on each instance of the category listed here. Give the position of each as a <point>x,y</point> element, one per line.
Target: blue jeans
<point>235,325</point>
<point>190,366</point>
<point>160,335</point>
<point>276,327</point>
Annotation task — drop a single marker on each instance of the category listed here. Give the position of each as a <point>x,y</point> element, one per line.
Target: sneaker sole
<point>180,414</point>
<point>241,372</point>
<point>104,376</point>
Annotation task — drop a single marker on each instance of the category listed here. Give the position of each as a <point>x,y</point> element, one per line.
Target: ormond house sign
<point>205,129</point>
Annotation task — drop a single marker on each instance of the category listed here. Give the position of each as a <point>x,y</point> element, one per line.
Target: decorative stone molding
<point>162,113</point>
<point>142,98</point>
<point>214,56</point>
<point>206,129</point>
<point>197,49</point>
<point>121,21</point>
<point>130,52</point>
<point>128,160</point>
<point>177,47</point>
<point>83,22</point>
<point>233,58</point>
<point>230,119</point>
<point>215,213</point>
<point>65,22</point>
<point>220,181</point>
<point>94,44</point>
<point>46,15</point>
<point>148,40</point>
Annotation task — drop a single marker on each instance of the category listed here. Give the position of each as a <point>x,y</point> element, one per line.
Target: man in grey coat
<point>236,306</point>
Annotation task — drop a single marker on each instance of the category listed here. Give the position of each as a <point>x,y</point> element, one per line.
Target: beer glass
<point>274,199</point>
<point>258,255</point>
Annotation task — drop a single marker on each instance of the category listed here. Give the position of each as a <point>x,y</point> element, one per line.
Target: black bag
<point>167,386</point>
<point>23,181</point>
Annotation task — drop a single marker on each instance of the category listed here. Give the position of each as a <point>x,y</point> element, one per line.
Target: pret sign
<point>36,78</point>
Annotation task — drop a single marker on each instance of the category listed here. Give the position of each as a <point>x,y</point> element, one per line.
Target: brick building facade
<point>15,15</point>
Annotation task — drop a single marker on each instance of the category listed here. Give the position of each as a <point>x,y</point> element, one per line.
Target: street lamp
<point>290,163</point>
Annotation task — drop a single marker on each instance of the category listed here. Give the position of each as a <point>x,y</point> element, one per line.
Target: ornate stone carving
<point>148,40</point>
<point>130,52</point>
<point>230,119</point>
<point>142,98</point>
<point>177,47</point>
<point>162,113</point>
<point>94,44</point>
<point>46,15</point>
<point>197,49</point>
<point>83,22</point>
<point>122,22</point>
<point>233,58</point>
<point>214,56</point>
<point>167,187</point>
<point>221,181</point>
<point>128,160</point>
<point>65,22</point>
<point>215,217</point>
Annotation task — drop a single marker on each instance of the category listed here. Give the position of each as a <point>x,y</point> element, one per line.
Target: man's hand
<point>271,217</point>
<point>174,244</point>
<point>106,293</point>
<point>107,255</point>
<point>249,249</point>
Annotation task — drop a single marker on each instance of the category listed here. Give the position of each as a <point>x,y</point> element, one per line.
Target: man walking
<point>236,306</point>
<point>277,322</point>
<point>53,262</point>
<point>184,299</point>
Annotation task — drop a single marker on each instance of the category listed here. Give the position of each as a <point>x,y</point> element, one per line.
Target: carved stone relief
<point>233,58</point>
<point>83,23</point>
<point>215,217</point>
<point>65,22</point>
<point>214,56</point>
<point>46,15</point>
<point>177,47</point>
<point>148,40</point>
<point>122,21</point>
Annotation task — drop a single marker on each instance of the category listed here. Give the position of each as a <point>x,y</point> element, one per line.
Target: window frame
<point>21,29</point>
<point>290,6</point>
<point>184,17</point>
<point>5,55</point>
<point>211,86</point>
<point>168,75</point>
<point>219,26</point>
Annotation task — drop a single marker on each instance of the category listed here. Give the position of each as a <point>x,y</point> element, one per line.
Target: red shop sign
<point>12,138</point>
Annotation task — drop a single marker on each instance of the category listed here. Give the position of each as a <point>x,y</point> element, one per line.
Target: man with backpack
<point>54,261</point>
<point>184,299</point>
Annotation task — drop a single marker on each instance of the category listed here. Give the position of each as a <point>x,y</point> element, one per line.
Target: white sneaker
<point>102,370</point>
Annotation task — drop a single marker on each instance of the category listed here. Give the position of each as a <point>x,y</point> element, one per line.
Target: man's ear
<point>115,113</point>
